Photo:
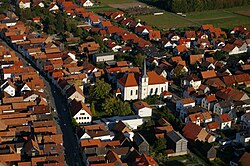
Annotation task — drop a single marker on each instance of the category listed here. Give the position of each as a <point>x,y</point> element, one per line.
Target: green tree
<point>100,90</point>
<point>60,20</point>
<point>114,106</point>
<point>160,145</point>
<point>73,122</point>
<point>92,109</point>
<point>139,58</point>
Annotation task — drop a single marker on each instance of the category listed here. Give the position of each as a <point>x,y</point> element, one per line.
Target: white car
<point>225,141</point>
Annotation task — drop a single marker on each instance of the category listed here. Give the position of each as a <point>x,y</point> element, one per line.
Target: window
<point>161,89</point>
<point>82,113</point>
<point>84,117</point>
<point>145,79</point>
<point>131,92</point>
<point>136,92</point>
<point>151,91</point>
<point>87,117</point>
<point>76,118</point>
<point>156,90</point>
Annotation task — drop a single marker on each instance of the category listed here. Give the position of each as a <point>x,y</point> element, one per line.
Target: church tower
<point>143,82</point>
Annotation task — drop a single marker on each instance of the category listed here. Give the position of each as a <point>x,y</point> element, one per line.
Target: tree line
<point>195,5</point>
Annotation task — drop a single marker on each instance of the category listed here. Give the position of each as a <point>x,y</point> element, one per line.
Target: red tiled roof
<point>211,98</point>
<point>224,118</point>
<point>191,131</point>
<point>213,125</point>
<point>141,104</point>
<point>208,74</point>
<point>129,80</point>
<point>181,48</point>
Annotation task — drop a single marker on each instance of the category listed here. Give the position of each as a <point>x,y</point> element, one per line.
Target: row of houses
<point>28,133</point>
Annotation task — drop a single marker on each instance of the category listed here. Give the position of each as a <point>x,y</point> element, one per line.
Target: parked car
<point>225,141</point>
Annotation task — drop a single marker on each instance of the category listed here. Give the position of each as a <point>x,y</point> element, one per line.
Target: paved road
<point>72,149</point>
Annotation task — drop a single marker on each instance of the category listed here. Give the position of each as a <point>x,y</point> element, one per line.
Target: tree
<point>60,22</point>
<point>114,106</point>
<point>160,145</point>
<point>73,122</point>
<point>100,90</point>
<point>139,58</point>
<point>92,109</point>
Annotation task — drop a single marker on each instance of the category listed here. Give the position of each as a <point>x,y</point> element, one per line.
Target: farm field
<point>116,2</point>
<point>224,18</point>
<point>101,9</point>
<point>165,21</point>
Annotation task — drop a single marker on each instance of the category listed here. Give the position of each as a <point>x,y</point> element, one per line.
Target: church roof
<point>154,78</point>
<point>132,79</point>
<point>129,80</point>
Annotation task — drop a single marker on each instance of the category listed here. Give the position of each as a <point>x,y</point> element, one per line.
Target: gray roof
<point>175,136</point>
<point>104,54</point>
<point>139,139</point>
<point>225,104</point>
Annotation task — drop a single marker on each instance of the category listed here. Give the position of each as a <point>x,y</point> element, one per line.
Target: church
<point>133,86</point>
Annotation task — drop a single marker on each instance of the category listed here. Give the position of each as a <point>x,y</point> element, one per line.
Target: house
<point>191,81</point>
<point>177,143</point>
<point>86,3</point>
<point>145,160</point>
<point>94,20</point>
<point>190,35</point>
<point>193,132</point>
<point>180,49</point>
<point>208,74</point>
<point>74,92</point>
<point>237,47</point>
<point>184,103</point>
<point>142,109</point>
<point>8,87</point>
<point>245,119</point>
<point>131,121</point>
<point>206,149</point>
<point>54,8</point>
<point>103,57</point>
<point>95,131</point>
<point>243,137</point>
<point>141,144</point>
<point>143,30</point>
<point>39,3</point>
<point>213,126</point>
<point>223,107</point>
<point>80,112</point>
<point>193,59</point>
<point>163,128</point>
<point>138,86</point>
<point>23,4</point>
<point>208,102</point>
<point>154,35</point>
<point>224,121</point>
<point>245,159</point>
<point>195,118</point>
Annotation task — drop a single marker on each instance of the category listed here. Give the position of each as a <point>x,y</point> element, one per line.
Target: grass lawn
<point>116,2</point>
<point>165,21</point>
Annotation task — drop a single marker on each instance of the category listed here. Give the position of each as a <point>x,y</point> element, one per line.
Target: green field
<point>101,9</point>
<point>116,2</point>
<point>165,21</point>
<point>224,18</point>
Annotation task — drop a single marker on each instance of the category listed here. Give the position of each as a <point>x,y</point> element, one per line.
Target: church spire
<point>144,69</point>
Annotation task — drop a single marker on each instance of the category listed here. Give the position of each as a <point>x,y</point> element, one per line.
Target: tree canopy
<point>114,106</point>
<point>100,90</point>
